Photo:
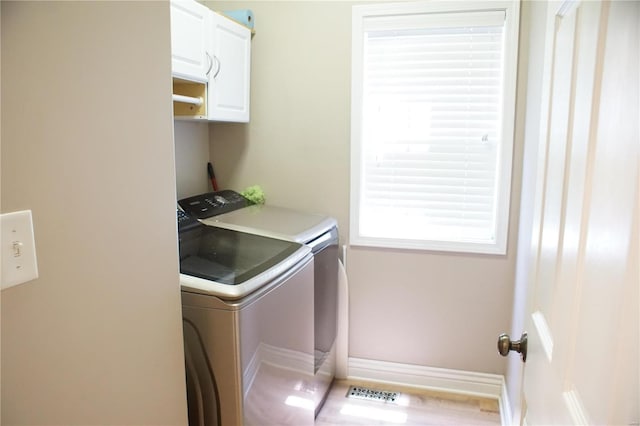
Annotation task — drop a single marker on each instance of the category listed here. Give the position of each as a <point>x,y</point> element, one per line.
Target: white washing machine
<point>247,333</point>
<point>227,210</point>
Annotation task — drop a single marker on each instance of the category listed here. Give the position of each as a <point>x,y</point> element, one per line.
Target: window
<point>433,100</point>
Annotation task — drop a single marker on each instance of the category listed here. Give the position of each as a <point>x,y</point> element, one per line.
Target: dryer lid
<point>275,222</point>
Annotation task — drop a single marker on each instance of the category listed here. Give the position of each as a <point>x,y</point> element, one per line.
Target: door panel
<point>583,292</point>
<point>189,40</point>
<point>229,85</point>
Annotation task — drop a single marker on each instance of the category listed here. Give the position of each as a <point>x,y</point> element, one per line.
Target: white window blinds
<point>431,129</point>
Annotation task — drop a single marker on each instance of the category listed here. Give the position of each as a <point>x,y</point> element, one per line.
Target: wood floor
<point>414,407</point>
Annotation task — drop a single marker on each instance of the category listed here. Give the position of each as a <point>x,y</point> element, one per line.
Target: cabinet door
<point>228,95</point>
<point>190,35</point>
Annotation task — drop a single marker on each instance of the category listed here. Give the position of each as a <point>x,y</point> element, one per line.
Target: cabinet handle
<point>210,63</point>
<point>219,65</point>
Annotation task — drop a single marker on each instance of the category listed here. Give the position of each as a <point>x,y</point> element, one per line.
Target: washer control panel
<point>213,203</point>
<point>186,221</point>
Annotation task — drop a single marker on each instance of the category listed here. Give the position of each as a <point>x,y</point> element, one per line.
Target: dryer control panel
<point>213,203</point>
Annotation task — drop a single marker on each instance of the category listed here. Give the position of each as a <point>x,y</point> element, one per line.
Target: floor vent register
<point>360,392</point>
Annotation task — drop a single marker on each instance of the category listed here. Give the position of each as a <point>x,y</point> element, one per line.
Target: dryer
<point>228,210</point>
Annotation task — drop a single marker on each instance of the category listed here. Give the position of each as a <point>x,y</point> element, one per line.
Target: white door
<point>229,81</point>
<point>190,40</point>
<point>583,356</point>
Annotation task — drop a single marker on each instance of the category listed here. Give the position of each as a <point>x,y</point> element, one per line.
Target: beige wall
<point>192,154</point>
<point>87,146</point>
<point>415,307</point>
<point>296,146</point>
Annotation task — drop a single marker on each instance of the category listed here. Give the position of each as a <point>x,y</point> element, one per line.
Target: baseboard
<point>439,379</point>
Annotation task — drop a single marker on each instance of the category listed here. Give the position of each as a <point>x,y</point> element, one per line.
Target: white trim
<point>506,414</point>
<point>459,382</point>
<point>422,7</point>
<point>511,9</point>
<point>441,379</point>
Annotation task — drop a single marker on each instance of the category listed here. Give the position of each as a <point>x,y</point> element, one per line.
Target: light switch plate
<point>19,263</point>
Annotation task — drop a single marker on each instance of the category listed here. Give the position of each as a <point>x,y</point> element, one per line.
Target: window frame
<point>360,13</point>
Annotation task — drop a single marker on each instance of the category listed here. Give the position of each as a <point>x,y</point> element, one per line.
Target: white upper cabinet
<point>229,79</point>
<point>190,40</point>
<point>211,64</point>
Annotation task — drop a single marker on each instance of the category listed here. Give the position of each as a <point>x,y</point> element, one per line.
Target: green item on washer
<point>254,193</point>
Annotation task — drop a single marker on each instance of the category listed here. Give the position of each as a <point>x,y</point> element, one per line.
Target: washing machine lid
<point>275,222</point>
<point>232,264</point>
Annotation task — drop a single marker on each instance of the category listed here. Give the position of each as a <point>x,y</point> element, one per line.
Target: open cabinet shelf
<point>189,100</point>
